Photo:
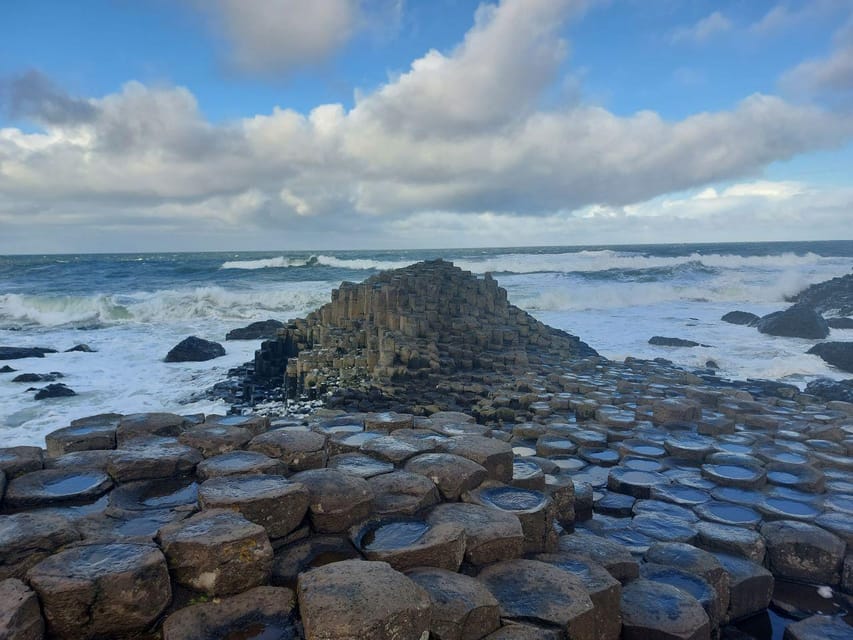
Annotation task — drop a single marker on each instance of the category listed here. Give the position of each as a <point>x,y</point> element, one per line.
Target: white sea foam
<point>284,299</point>
<point>282,262</point>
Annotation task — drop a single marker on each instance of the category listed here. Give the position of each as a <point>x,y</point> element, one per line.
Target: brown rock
<point>28,538</point>
<point>656,611</point>
<point>495,456</point>
<point>20,614</point>
<point>491,535</point>
<point>299,448</point>
<point>402,493</point>
<point>338,500</point>
<point>452,474</point>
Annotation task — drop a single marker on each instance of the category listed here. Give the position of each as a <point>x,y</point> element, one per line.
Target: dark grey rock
<point>662,341</point>
<point>262,330</point>
<point>83,348</point>
<point>798,321</point>
<point>55,390</point>
<point>20,614</point>
<point>656,611</point>
<point>840,323</point>
<point>740,317</point>
<point>194,349</point>
<point>838,354</point>
<point>16,353</point>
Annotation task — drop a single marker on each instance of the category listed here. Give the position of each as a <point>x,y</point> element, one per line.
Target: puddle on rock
<point>394,535</point>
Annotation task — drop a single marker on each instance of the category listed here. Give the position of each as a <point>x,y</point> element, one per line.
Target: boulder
<point>356,600</point>
<point>262,612</point>
<point>37,377</point>
<point>551,596</point>
<point>20,614</point>
<point>7,369</point>
<point>798,321</point>
<point>217,552</point>
<point>740,317</point>
<point>657,611</point>
<point>662,341</point>
<point>55,390</point>
<point>838,354</point>
<point>261,330</point>
<point>803,551</point>
<point>194,349</point>
<point>273,502</point>
<point>831,390</point>
<point>462,608</point>
<point>337,500</point>
<point>16,353</point>
<point>102,590</point>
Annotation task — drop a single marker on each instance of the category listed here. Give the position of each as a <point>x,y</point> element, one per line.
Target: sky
<point>191,125</point>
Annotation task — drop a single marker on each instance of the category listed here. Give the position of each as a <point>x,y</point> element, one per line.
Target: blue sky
<point>264,124</point>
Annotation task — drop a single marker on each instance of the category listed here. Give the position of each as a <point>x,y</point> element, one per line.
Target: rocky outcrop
<point>831,390</point>
<point>194,349</point>
<point>832,297</point>
<point>413,324</point>
<point>663,341</point>
<point>799,321</point>
<point>55,390</point>
<point>838,354</point>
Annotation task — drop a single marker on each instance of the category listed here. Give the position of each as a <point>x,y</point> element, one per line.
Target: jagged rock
<point>838,354</point>
<point>831,390</point>
<point>740,317</point>
<point>798,321</point>
<point>7,369</point>
<point>16,353</point>
<point>356,600</point>
<point>662,341</point>
<point>802,551</point>
<point>55,390</point>
<point>262,612</point>
<point>194,349</point>
<point>20,614</point>
<point>261,330</point>
<point>835,295</point>
<point>551,596</point>
<point>28,538</point>
<point>656,611</point>
<point>102,590</point>
<point>217,552</point>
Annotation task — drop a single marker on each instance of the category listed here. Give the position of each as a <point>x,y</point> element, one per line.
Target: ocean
<point>132,308</point>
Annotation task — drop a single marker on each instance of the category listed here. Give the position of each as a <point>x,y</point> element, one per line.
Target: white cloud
<point>460,134</point>
<point>830,75</point>
<point>281,35</point>
<point>705,29</point>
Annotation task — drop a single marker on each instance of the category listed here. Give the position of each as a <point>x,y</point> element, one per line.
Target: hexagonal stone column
<point>20,613</point>
<point>48,487</point>
<point>273,502</point>
<point>357,600</point>
<point>337,500</point>
<point>802,551</point>
<point>262,612</point>
<point>495,456</point>
<point>218,552</point>
<point>411,543</point>
<point>750,586</point>
<point>452,474</point>
<point>534,509</point>
<point>614,557</point>
<point>300,449</point>
<point>215,439</point>
<point>551,596</point>
<point>656,611</point>
<point>818,628</point>
<point>102,590</point>
<point>491,535</point>
<point>462,608</point>
<point>28,538</point>
<point>402,493</point>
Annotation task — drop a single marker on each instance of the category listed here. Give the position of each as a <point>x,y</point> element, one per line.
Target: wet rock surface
<point>20,613</point>
<point>599,470</point>
<point>195,349</point>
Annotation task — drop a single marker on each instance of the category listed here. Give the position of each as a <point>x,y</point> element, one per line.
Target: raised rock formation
<point>832,297</point>
<point>195,349</point>
<point>799,321</point>
<point>429,319</point>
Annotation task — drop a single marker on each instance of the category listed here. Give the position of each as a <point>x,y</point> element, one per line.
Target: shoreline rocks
<point>194,349</point>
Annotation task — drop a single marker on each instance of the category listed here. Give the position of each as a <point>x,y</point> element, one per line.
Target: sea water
<point>132,308</point>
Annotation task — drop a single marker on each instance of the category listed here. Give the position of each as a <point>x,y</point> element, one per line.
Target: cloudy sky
<point>309,124</point>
